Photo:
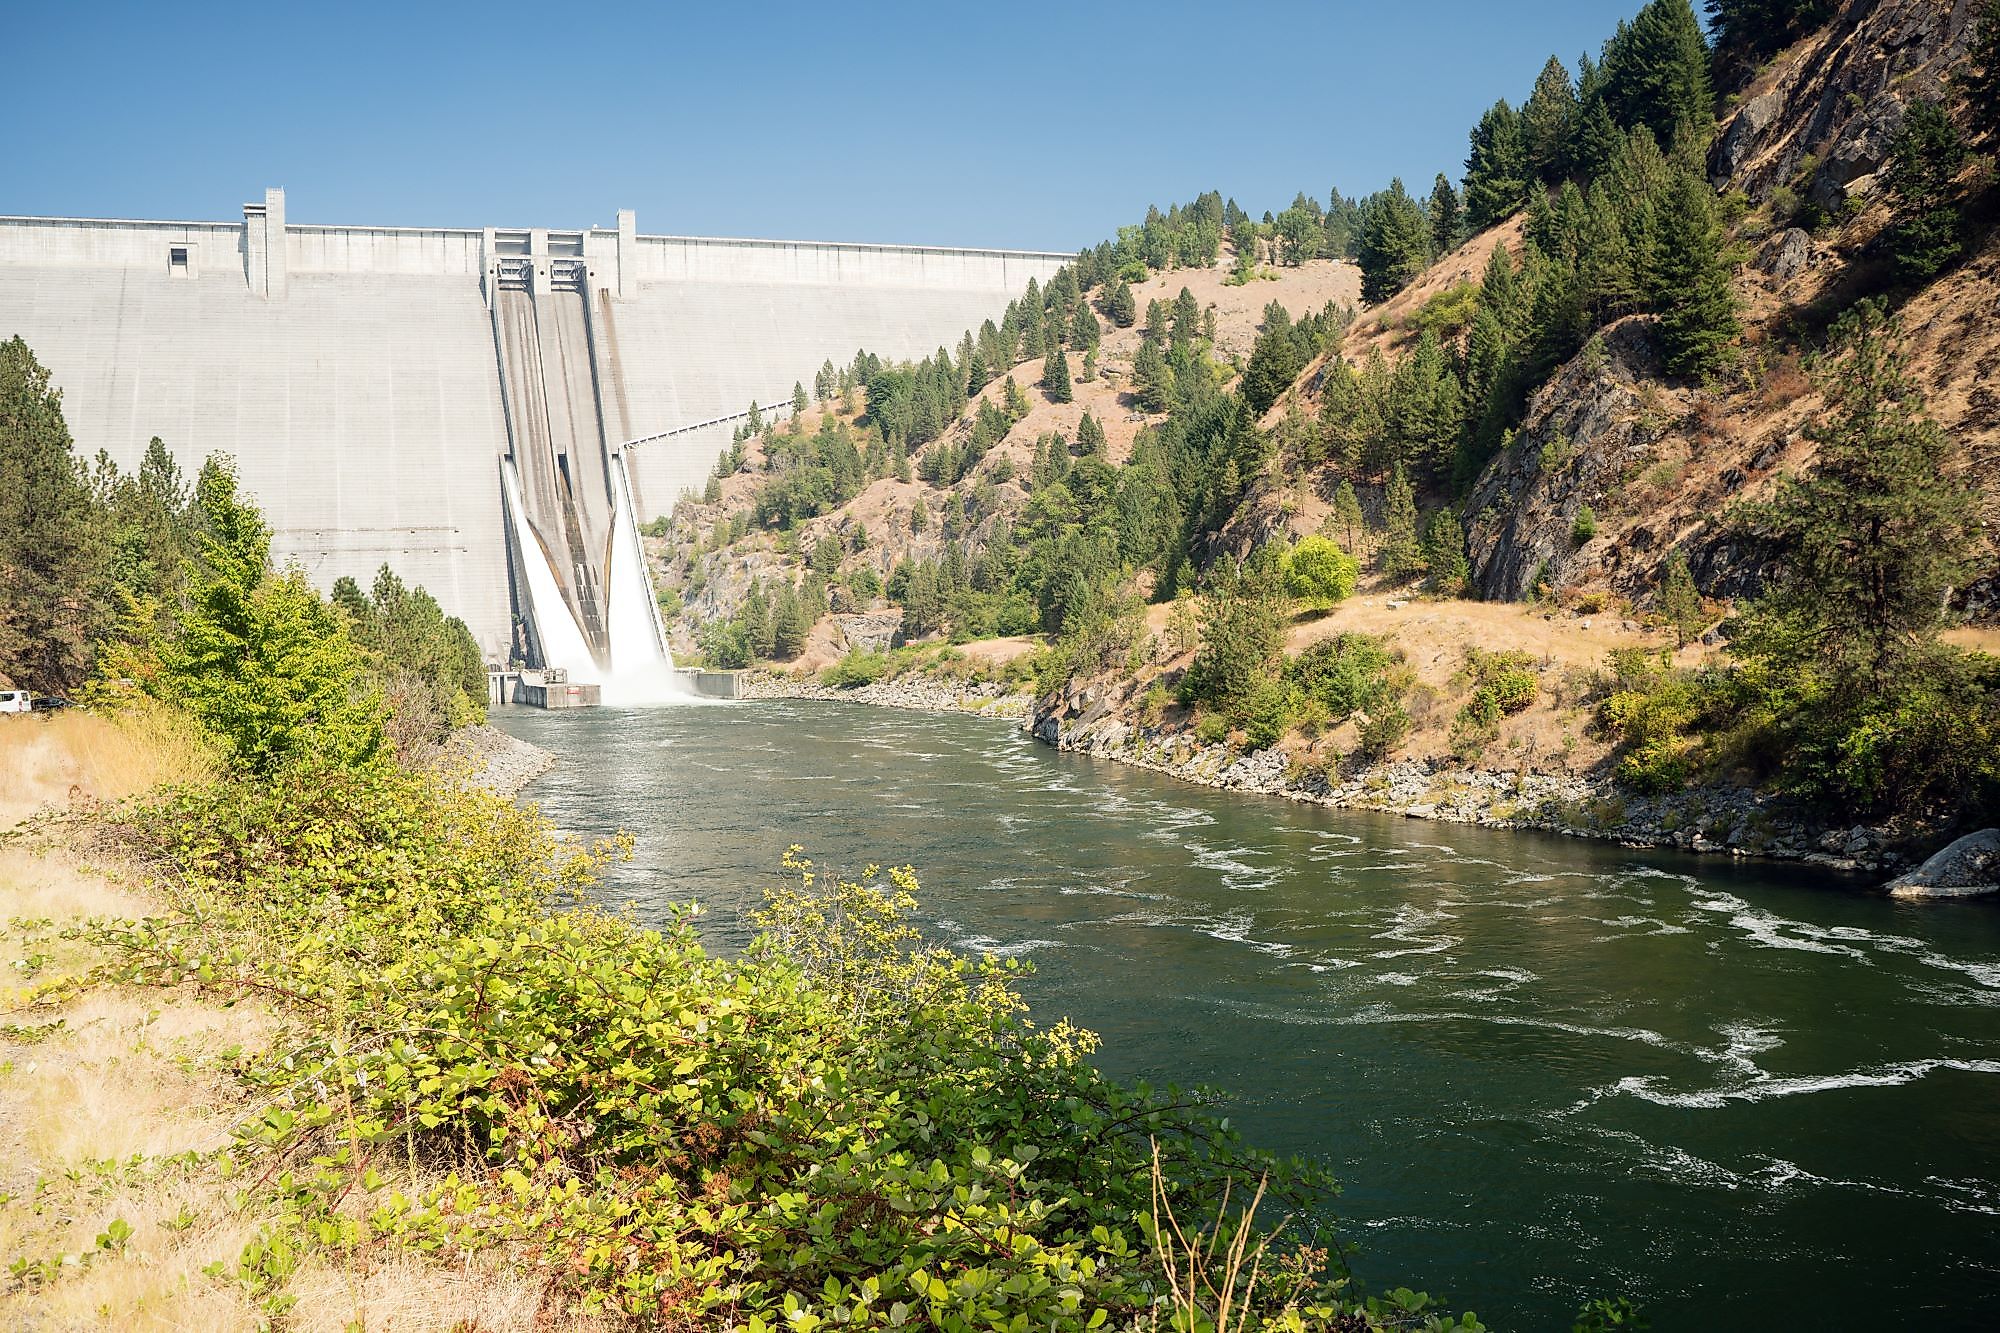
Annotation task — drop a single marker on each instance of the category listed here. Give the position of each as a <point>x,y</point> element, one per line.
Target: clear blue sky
<point>1028,125</point>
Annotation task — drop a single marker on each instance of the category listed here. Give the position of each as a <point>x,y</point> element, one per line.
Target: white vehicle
<point>15,701</point>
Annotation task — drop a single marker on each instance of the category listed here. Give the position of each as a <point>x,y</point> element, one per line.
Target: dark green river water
<point>1752,1097</point>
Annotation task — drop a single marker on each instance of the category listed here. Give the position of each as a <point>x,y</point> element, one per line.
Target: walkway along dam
<point>457,402</point>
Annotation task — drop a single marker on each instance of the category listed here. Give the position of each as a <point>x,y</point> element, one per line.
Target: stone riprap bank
<point>362,382</point>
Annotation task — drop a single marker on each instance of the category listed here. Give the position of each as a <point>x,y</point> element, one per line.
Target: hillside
<point>712,581</point>
<point>1500,491</point>
<point>1799,157</point>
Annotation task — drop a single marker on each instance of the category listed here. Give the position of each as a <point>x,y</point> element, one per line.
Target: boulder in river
<point>1967,867</point>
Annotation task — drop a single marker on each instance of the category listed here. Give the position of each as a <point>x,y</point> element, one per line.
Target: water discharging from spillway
<point>584,588</point>
<point>642,669</point>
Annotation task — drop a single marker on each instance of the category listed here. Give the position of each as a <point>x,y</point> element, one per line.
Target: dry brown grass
<point>51,759</point>
<point>106,1090</point>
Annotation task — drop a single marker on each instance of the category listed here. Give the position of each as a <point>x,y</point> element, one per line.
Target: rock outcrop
<point>1821,119</point>
<point>1968,867</point>
<point>1590,425</point>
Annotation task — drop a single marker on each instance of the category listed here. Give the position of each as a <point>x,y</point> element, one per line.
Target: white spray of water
<point>560,637</point>
<point>642,670</point>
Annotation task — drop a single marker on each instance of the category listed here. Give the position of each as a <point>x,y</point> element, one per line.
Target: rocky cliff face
<point>1820,117</point>
<point>1596,423</point>
<point>1660,464</point>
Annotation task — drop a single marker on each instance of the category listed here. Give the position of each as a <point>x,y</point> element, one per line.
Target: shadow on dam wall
<point>355,372</point>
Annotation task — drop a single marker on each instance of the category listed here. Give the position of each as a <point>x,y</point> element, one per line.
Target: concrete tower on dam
<point>457,403</point>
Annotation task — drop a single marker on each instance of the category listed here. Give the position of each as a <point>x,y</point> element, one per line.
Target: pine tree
<point>1121,306</point>
<point>1083,329</point>
<point>260,659</point>
<point>1678,601</point>
<point>1656,73</point>
<point>1346,521</point>
<point>1017,401</point>
<point>826,382</point>
<point>1547,122</point>
<point>1186,317</point>
<point>1055,378</point>
<point>51,554</point>
<point>1925,158</point>
<point>1444,554</point>
<point>1595,142</point>
<point>1400,556</point>
<point>1152,380</point>
<point>1395,243</point>
<point>1089,435</point>
<point>799,401</point>
<point>1444,216</point>
<point>1496,170</point>
<point>789,625</point>
<point>1879,532</point>
<point>1692,294</point>
<point>1275,361</point>
<point>1978,79</point>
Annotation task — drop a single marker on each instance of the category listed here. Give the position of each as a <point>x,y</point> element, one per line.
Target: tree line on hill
<point>167,584</point>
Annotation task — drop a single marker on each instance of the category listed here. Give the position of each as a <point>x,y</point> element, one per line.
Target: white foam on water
<point>1766,929</point>
<point>1228,864</point>
<point>1766,1086</point>
<point>1411,927</point>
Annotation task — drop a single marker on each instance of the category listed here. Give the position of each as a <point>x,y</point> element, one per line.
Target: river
<point>1752,1097</point>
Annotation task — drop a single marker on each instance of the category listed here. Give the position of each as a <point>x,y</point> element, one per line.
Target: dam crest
<point>491,411</point>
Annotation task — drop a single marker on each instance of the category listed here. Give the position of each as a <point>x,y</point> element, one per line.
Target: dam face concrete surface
<point>377,384</point>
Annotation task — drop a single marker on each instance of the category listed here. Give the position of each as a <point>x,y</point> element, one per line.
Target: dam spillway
<point>375,384</point>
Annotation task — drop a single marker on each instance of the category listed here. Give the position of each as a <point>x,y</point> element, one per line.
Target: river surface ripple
<point>1544,1069</point>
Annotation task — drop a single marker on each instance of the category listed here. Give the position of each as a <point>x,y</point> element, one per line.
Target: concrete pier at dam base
<point>537,690</point>
<point>356,374</point>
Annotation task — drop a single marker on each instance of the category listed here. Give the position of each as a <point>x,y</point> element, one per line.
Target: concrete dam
<point>489,411</point>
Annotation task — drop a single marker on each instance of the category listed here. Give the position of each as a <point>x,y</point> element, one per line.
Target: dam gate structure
<point>457,403</point>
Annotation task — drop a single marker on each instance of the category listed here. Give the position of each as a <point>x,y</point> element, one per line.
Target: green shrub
<point>1666,722</point>
<point>1211,728</point>
<point>1318,573</point>
<point>1448,313</point>
<point>1268,713</point>
<point>856,668</point>
<point>1345,674</point>
<point>1385,729</point>
<point>1585,526</point>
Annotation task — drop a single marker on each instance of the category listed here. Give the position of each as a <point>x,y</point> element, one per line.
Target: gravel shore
<point>500,763</point>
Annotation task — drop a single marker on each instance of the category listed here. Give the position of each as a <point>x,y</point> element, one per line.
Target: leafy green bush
<point>1502,685</point>
<point>1318,573</point>
<point>1385,729</point>
<point>1672,726</point>
<point>1345,674</point>
<point>1448,313</point>
<point>1268,713</point>
<point>856,668</point>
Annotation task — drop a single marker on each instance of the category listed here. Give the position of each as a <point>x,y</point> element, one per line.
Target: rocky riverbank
<point>921,694</point>
<point>1716,820</point>
<point>502,764</point>
<point>1722,820</point>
